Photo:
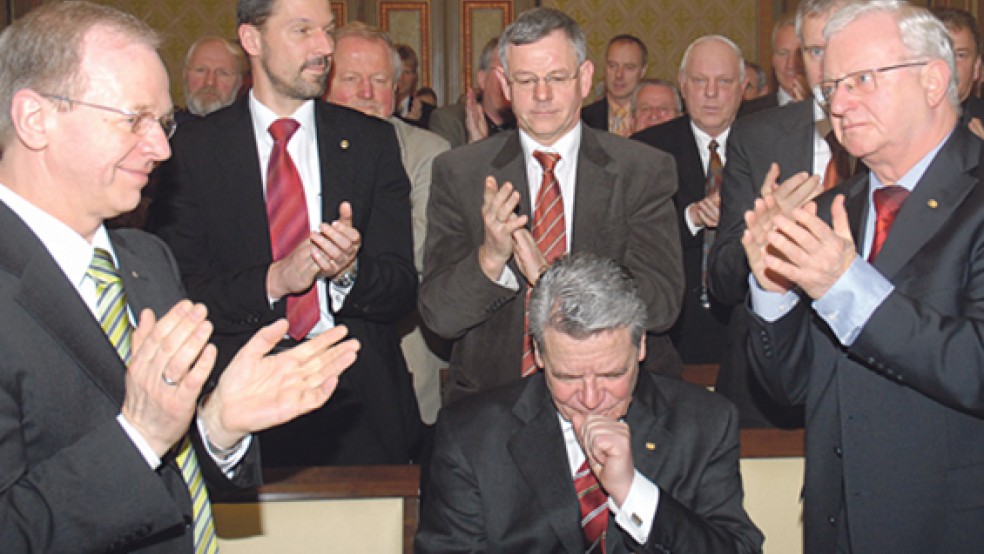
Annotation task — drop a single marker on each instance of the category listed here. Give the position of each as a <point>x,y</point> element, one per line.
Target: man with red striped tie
<point>590,454</point>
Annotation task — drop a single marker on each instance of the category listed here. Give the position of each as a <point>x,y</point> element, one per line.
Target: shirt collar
<point>70,250</point>
<point>913,176</point>
<point>567,146</point>
<point>263,117</point>
<point>704,139</point>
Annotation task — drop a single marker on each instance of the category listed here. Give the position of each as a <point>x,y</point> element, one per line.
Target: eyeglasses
<point>527,81</point>
<point>861,82</point>
<point>140,123</point>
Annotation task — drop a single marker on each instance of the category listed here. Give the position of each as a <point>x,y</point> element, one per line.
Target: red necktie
<point>888,202</point>
<point>550,234</point>
<point>288,216</point>
<point>594,508</point>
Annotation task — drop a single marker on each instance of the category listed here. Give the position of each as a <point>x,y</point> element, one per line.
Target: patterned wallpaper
<point>666,26</point>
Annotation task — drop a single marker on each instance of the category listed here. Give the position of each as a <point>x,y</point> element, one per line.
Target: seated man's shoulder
<point>479,155</point>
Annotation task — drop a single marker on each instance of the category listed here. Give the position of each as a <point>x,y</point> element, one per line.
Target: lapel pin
<point>933,203</point>
<point>344,144</point>
<point>650,446</point>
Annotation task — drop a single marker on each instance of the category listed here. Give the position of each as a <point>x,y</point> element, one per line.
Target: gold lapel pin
<point>933,203</point>
<point>344,144</point>
<point>650,446</point>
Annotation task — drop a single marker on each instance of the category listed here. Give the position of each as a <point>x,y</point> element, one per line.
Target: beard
<point>207,100</point>
<point>297,87</point>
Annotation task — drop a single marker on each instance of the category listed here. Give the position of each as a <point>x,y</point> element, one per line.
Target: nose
<point>591,394</point>
<point>210,77</point>
<point>840,100</point>
<point>712,88</point>
<point>365,89</point>
<point>542,90</point>
<point>155,144</point>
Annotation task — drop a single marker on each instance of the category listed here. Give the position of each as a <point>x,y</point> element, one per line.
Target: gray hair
<point>721,38</point>
<point>923,35</point>
<point>581,295</point>
<point>761,80</point>
<point>654,82</point>
<point>42,51</point>
<point>532,25</point>
<point>370,33</point>
<point>233,48</point>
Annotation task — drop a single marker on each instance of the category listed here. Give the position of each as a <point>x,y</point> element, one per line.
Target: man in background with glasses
<point>868,303</point>
<point>502,209</point>
<point>108,442</point>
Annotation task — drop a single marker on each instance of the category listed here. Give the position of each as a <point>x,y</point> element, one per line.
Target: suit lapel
<point>47,295</point>
<point>947,181</point>
<point>592,194</point>
<point>509,165</point>
<point>796,142</point>
<point>540,456</point>
<point>242,192</point>
<point>650,437</point>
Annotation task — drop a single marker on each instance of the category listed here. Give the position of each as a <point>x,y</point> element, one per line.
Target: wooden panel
<point>481,20</point>
<point>338,10</point>
<point>410,23</point>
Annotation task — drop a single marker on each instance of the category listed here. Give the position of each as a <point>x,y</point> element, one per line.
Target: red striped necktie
<point>594,508</point>
<point>289,225</point>
<point>550,233</point>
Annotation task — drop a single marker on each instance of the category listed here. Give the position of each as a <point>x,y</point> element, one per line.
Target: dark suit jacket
<point>895,422</point>
<point>212,213</point>
<point>500,479</point>
<point>783,135</point>
<point>622,211</point>
<point>595,115</point>
<point>970,108</point>
<point>770,100</point>
<point>699,334</point>
<point>70,478</point>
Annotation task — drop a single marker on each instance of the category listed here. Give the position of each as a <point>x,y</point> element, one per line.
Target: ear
<point>642,348</point>
<point>32,115</point>
<point>935,78</point>
<point>249,38</point>
<point>536,356</point>
<point>506,89</point>
<point>586,75</point>
<point>977,69</point>
<point>680,79</point>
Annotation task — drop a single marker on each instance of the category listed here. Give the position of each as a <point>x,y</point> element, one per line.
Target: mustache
<point>319,62</point>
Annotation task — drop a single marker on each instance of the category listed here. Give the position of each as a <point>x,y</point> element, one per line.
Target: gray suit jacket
<point>623,210</point>
<point>895,421</point>
<point>70,478</point>
<point>500,479</point>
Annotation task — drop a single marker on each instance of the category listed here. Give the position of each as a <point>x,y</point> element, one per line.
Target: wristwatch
<point>347,279</point>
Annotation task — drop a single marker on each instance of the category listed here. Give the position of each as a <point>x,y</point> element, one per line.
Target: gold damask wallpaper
<point>666,26</point>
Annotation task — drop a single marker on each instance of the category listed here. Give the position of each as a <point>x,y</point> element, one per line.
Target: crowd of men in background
<point>523,276</point>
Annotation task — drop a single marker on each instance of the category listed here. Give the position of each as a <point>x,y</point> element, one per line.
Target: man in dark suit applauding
<point>650,461</point>
<point>283,205</point>
<point>868,304</point>
<point>497,216</point>
<point>106,435</point>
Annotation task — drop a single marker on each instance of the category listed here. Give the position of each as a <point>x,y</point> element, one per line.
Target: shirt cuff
<point>228,459</point>
<point>770,306</point>
<point>693,227</point>
<point>636,515</point>
<point>849,303</point>
<point>140,442</point>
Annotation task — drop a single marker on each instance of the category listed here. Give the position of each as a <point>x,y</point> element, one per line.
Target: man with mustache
<point>283,205</point>
<point>213,73</point>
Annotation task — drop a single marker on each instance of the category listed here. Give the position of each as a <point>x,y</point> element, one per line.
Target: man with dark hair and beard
<point>285,206</point>
<point>213,73</point>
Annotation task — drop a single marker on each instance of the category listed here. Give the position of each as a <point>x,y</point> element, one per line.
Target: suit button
<point>838,451</point>
<point>832,520</point>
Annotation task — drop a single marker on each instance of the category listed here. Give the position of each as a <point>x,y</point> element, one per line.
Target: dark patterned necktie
<point>594,508</point>
<point>715,175</point>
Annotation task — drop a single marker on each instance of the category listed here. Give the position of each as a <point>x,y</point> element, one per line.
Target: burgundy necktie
<point>549,232</point>
<point>715,175</point>
<point>888,202</point>
<point>288,216</point>
<point>594,508</point>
